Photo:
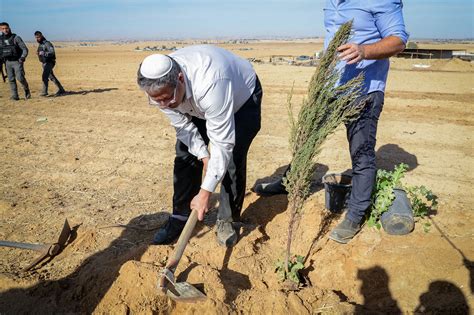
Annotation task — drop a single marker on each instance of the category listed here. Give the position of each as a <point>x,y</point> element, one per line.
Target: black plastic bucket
<point>398,219</point>
<point>337,190</point>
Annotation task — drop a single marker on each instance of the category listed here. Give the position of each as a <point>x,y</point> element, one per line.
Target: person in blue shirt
<point>378,33</point>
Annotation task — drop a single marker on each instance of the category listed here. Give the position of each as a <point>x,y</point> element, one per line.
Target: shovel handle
<point>37,247</point>
<point>182,241</point>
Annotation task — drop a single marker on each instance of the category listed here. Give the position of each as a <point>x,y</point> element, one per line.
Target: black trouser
<point>48,74</point>
<point>188,169</point>
<point>16,71</point>
<point>361,135</point>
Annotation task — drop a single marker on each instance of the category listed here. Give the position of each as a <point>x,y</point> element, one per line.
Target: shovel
<point>180,291</point>
<point>47,250</point>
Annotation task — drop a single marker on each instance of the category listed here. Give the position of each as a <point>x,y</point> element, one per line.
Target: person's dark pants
<point>361,135</point>
<point>16,71</point>
<point>188,169</point>
<point>48,74</point>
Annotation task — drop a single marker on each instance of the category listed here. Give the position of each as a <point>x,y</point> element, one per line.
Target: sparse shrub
<point>326,107</point>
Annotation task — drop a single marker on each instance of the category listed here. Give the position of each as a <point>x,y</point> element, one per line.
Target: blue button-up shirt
<point>372,21</point>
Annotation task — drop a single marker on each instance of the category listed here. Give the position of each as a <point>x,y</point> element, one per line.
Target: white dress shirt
<point>217,84</point>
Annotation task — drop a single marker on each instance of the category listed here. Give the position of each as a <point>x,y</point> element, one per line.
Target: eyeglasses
<point>163,103</point>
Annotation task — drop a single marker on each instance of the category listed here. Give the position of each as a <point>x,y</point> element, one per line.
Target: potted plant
<point>395,205</point>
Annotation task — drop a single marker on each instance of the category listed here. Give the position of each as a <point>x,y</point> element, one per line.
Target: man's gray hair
<point>170,79</point>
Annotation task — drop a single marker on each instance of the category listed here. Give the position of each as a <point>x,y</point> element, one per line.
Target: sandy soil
<point>103,157</point>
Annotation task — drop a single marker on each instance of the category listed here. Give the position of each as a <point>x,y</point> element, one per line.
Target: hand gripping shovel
<point>47,250</point>
<point>180,291</point>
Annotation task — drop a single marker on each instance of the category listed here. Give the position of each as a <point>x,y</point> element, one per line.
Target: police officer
<point>47,57</point>
<point>14,52</point>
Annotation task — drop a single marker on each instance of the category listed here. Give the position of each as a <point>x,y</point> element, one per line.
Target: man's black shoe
<point>27,94</point>
<point>15,98</point>
<point>270,189</point>
<point>345,231</point>
<point>169,233</point>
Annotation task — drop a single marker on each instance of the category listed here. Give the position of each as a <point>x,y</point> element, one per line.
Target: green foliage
<point>382,196</point>
<point>295,264</point>
<point>422,199</point>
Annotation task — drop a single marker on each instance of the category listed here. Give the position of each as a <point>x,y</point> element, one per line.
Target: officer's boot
<point>44,91</point>
<point>24,83</point>
<point>61,90</point>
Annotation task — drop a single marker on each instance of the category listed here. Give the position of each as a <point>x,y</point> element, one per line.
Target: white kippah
<point>156,66</point>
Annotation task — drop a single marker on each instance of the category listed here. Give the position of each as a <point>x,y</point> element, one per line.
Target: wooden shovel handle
<point>182,241</point>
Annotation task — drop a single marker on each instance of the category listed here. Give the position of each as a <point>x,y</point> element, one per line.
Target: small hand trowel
<point>180,291</point>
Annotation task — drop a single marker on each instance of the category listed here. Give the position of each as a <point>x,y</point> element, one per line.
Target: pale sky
<point>165,19</point>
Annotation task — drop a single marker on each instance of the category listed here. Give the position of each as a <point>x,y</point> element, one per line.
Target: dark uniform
<point>47,57</point>
<point>2,61</point>
<point>14,52</point>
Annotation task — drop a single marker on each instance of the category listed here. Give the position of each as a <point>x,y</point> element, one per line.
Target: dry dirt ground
<point>101,156</point>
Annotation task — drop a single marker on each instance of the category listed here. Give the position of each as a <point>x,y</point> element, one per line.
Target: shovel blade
<point>184,292</point>
<point>65,234</point>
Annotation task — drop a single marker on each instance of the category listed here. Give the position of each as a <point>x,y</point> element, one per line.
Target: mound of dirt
<point>441,65</point>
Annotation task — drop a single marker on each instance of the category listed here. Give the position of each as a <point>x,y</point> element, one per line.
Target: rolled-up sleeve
<point>220,125</point>
<point>389,19</point>
<point>187,133</point>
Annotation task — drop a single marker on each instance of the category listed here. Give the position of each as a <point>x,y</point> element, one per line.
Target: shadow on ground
<point>82,291</point>
<point>442,297</point>
<point>390,155</point>
<point>84,92</point>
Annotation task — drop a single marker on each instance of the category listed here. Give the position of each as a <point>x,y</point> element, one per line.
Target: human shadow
<point>390,155</point>
<point>376,293</point>
<point>442,297</point>
<point>82,290</point>
<point>84,92</point>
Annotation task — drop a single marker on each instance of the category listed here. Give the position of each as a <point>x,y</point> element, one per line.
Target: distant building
<point>464,55</point>
<point>426,53</point>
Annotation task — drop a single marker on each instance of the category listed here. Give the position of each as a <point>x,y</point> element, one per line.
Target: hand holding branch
<point>351,52</point>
